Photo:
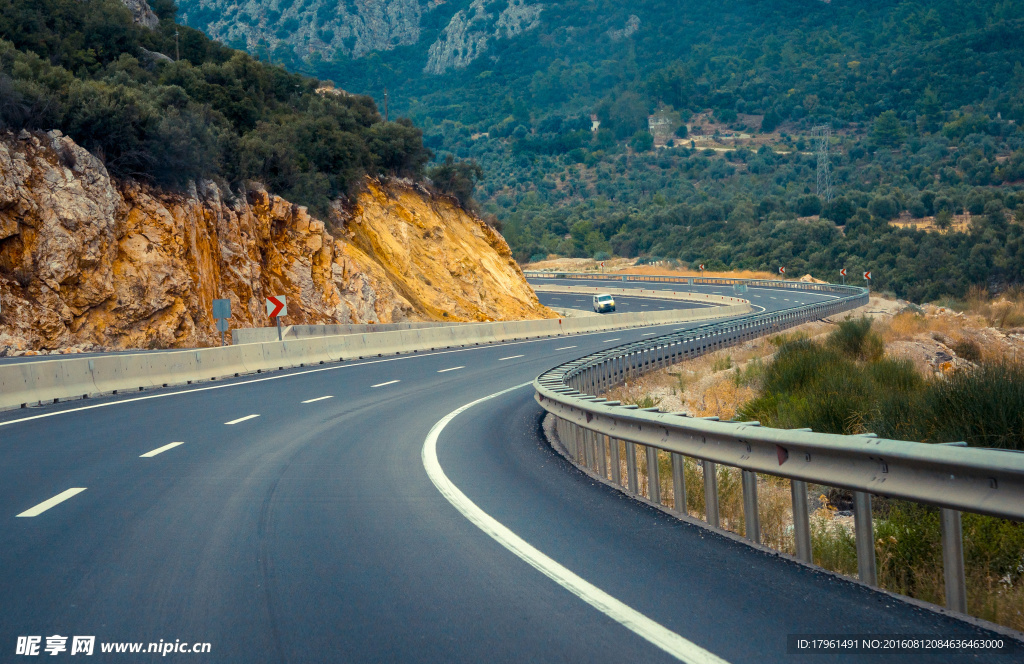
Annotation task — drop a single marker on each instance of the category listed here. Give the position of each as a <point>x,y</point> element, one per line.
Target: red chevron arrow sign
<point>782,270</point>
<point>867,275</point>
<point>842,273</point>
<point>277,306</point>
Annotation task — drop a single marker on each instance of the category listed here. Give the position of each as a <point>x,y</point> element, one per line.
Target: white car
<point>603,303</point>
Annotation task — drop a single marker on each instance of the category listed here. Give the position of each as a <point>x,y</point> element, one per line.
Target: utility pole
<point>822,136</point>
<point>385,104</point>
<point>177,48</point>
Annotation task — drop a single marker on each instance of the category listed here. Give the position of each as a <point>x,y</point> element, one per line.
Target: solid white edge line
<point>451,369</point>
<point>153,453</point>
<point>241,419</point>
<point>47,504</point>
<point>329,396</point>
<point>510,357</point>
<point>390,382</point>
<point>628,617</point>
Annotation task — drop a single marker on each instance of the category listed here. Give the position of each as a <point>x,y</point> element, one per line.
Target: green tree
<point>642,141</point>
<point>456,178</point>
<point>808,206</point>
<point>888,130</point>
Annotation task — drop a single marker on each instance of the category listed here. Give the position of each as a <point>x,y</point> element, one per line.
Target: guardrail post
<point>953,561</point>
<point>653,475</point>
<point>581,453</point>
<point>587,455</point>
<point>563,435</point>
<point>602,454</point>
<point>864,530</point>
<point>679,482</point>
<point>631,468</point>
<point>616,461</point>
<point>751,520</point>
<point>801,521</point>
<point>711,494</point>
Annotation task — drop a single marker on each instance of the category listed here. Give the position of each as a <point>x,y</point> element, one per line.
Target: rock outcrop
<point>468,33</point>
<point>355,29</point>
<point>87,262</point>
<point>322,26</point>
<point>142,13</point>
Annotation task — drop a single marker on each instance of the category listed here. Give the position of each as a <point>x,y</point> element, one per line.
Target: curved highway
<point>624,304</point>
<point>295,521</point>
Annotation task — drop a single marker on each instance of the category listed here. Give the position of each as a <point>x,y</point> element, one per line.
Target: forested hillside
<point>168,105</point>
<point>925,101</point>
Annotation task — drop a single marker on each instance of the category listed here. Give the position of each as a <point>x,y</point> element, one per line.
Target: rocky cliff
<point>467,35</point>
<point>354,29</point>
<point>89,262</point>
<point>320,26</point>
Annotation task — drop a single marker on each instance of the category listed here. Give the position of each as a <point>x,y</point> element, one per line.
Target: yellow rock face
<point>85,261</point>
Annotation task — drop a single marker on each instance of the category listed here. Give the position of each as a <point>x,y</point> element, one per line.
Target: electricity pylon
<point>822,136</point>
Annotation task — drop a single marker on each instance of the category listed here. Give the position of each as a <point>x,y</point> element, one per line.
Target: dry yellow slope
<point>448,264</point>
<point>88,263</point>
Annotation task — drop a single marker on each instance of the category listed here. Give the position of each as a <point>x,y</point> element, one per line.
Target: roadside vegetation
<point>168,105</point>
<point>857,376</point>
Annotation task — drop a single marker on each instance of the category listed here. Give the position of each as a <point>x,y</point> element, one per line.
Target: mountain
<point>87,261</point>
<point>643,128</point>
<point>146,170</point>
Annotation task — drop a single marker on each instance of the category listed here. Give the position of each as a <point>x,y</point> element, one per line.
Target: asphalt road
<point>312,532</point>
<point>624,304</point>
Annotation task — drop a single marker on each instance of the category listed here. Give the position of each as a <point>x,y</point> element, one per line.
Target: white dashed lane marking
<point>565,347</point>
<point>241,419</point>
<point>329,396</point>
<point>56,500</point>
<point>510,357</point>
<point>390,382</point>
<point>153,453</point>
<point>452,369</point>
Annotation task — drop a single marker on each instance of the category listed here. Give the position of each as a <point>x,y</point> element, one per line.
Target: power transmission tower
<point>822,137</point>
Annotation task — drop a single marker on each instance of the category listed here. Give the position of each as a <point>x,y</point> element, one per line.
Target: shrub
<point>968,349</point>
<point>983,406</point>
<point>456,179</point>
<point>856,340</point>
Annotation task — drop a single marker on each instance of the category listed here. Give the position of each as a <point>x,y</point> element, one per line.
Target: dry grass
<point>961,223</point>
<point>629,265</point>
<point>982,331</point>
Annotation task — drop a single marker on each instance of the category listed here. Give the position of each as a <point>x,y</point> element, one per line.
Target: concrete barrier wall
<point>254,335</point>
<point>24,383</point>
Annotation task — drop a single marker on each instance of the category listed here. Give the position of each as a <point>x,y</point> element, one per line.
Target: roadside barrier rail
<point>790,284</point>
<point>30,382</point>
<point>951,477</point>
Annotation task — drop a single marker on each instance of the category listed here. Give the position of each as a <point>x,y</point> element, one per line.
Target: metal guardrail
<point>790,284</point>
<point>952,478</point>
